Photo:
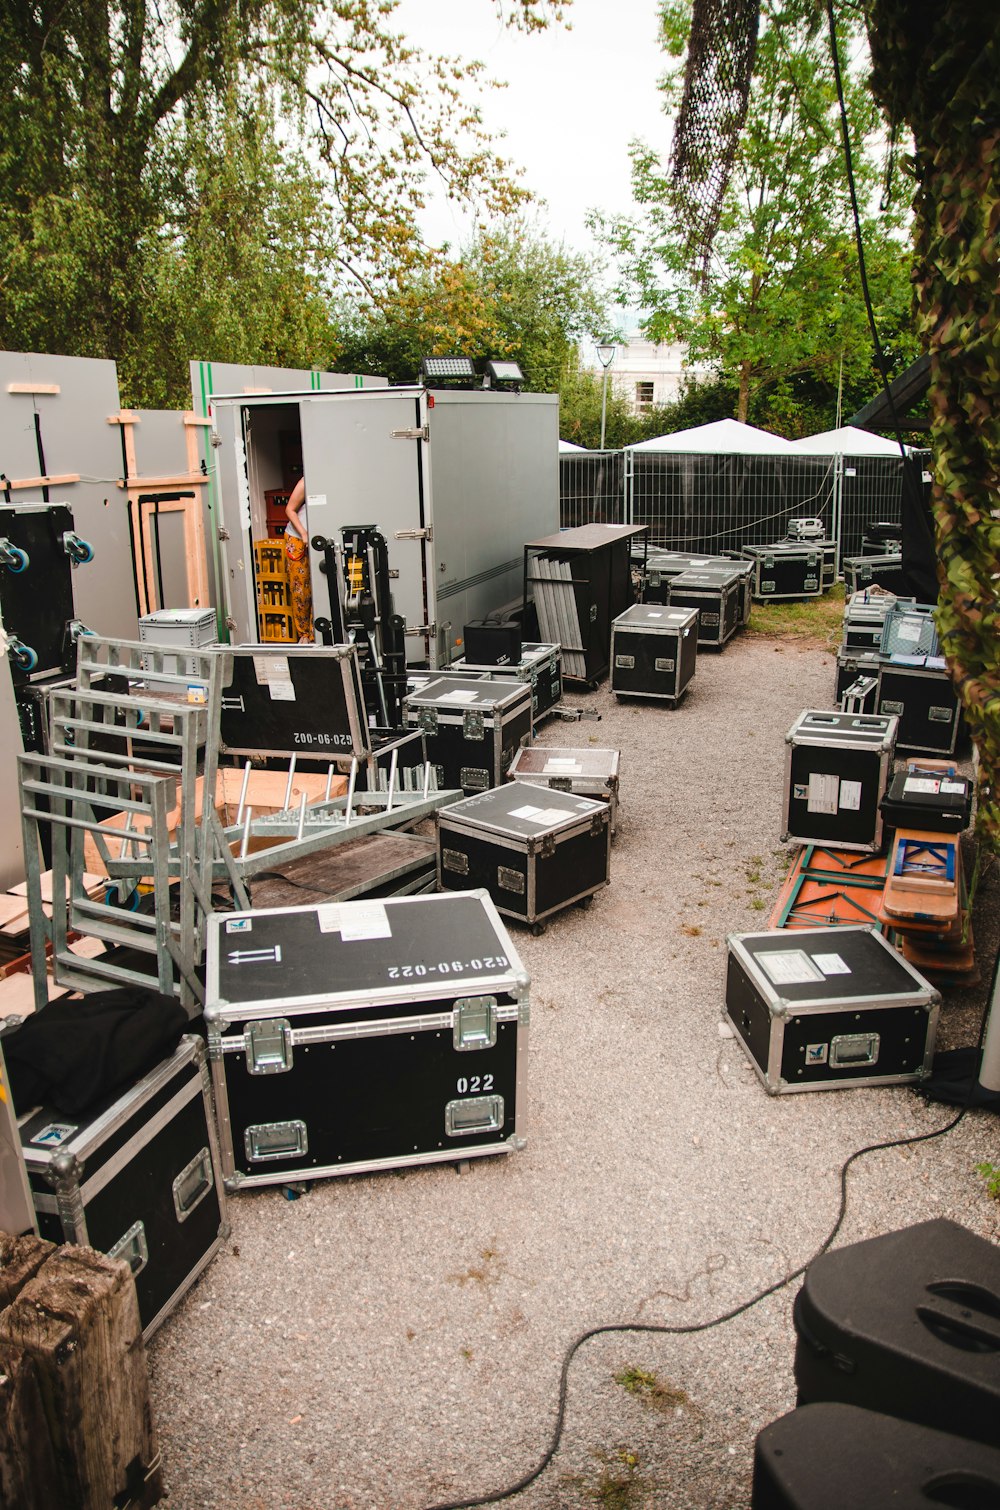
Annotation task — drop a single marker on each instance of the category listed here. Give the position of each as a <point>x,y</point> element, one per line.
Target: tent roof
<point>847,441</point>
<point>567,445</point>
<point>728,436</point>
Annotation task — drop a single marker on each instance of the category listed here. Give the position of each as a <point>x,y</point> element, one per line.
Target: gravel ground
<point>396,1341</point>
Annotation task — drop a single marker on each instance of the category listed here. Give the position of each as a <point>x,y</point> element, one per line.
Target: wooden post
<point>76,1323</point>
<point>27,1475</point>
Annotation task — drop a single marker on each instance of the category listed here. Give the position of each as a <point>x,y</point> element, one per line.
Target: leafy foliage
<point>511,293</point>
<point>779,310</point>
<point>938,67</point>
<point>221,165</point>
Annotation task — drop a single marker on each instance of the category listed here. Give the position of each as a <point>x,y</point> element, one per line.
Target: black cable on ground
<point>691,1327</point>
<point>659,1329</point>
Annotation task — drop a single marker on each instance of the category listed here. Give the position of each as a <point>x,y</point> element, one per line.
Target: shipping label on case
<point>824,793</point>
<point>354,921</point>
<point>850,796</point>
<point>831,964</point>
<point>789,967</point>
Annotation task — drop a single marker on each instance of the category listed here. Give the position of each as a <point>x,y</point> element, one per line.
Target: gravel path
<point>396,1341</point>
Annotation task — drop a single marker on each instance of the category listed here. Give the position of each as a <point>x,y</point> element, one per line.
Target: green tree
<point>510,293</point>
<point>936,70</point>
<point>118,114</point>
<point>779,299</point>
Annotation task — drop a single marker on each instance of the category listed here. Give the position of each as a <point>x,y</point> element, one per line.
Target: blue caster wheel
<point>13,557</point>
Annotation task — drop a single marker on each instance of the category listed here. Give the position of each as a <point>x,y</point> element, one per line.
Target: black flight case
<point>837,769</point>
<point>919,692</point>
<point>786,569</point>
<point>473,727</point>
<point>654,651</point>
<point>540,665</point>
<point>717,593</point>
<point>829,1008</point>
<point>356,1036</point>
<point>535,851</point>
<point>137,1177</point>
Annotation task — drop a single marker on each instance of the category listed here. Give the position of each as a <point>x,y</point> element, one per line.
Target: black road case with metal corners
<point>907,1323</point>
<point>786,569</point>
<point>303,700</point>
<point>473,727</point>
<point>535,851</point>
<point>663,566</point>
<point>861,572</point>
<point>137,1177</point>
<point>717,593</point>
<point>837,768</point>
<point>919,692</point>
<point>358,1036</point>
<point>830,1008</point>
<point>654,651</point>
<point>852,664</point>
<point>587,773</point>
<point>541,665</point>
<point>828,1456</point>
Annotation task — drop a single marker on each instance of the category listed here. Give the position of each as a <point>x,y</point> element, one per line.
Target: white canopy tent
<point>722,437</point>
<point>847,441</point>
<point>567,445</point>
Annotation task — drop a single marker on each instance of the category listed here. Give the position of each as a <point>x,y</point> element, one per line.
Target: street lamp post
<point>605,355</point>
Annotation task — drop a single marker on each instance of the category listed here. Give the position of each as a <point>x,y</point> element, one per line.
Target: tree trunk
<point>940,70</point>
<point>743,399</point>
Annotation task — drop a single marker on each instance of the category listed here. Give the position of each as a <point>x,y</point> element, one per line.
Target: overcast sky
<point>575,100</point>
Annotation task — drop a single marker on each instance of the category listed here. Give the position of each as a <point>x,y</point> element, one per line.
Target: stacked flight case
<point>540,665</point>
<point>473,725</point>
<point>138,1177</point>
<point>358,1036</point>
<point>654,651</point>
<point>587,773</point>
<point>861,572</point>
<point>717,593</point>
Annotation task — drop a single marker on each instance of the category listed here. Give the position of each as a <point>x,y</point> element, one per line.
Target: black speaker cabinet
<point>837,1457</point>
<point>908,1324</point>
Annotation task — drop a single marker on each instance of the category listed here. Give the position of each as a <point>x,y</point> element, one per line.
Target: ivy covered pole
<point>937,67</point>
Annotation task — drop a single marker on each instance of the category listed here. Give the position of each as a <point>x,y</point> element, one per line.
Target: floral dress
<point>300,584</point>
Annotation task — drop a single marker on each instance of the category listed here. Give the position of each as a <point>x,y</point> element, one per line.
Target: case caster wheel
<point>292,1192</point>
<point>79,551</point>
<point>463,1166</point>
<point>13,557</point>
<point>537,929</point>
<point>24,658</point>
<point>585,902</point>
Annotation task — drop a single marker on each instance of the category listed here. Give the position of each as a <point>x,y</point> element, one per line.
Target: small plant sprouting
<point>991,1174</point>
<point>651,1389</point>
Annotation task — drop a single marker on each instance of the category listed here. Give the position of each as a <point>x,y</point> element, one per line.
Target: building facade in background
<point>646,374</point>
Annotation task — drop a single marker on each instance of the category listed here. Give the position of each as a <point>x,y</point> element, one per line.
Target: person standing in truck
<point>297,556</point>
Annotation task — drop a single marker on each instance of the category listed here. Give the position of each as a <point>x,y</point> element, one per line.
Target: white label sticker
<point>529,814</point>
<point>831,964</point>
<point>824,793</point>
<point>953,788</point>
<point>788,967</point>
<point>271,668</point>
<point>354,920</point>
<point>458,695</point>
<point>850,796</point>
<point>850,471</point>
<point>315,500</point>
<point>281,692</point>
<point>550,815</point>
<point>699,563</point>
<point>239,925</point>
<point>908,630</point>
<point>562,763</point>
<point>652,615</point>
<point>923,784</point>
